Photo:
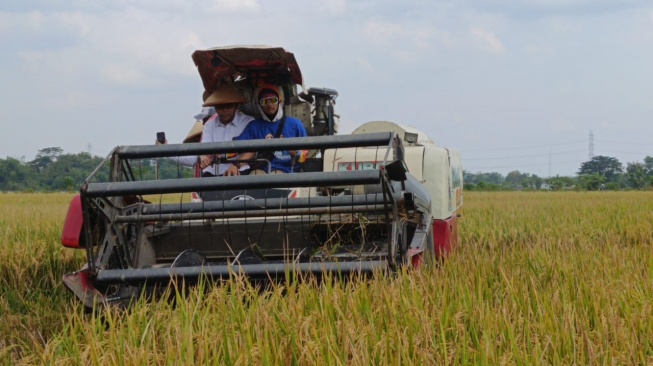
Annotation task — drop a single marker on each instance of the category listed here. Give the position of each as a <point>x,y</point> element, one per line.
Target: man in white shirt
<point>226,124</point>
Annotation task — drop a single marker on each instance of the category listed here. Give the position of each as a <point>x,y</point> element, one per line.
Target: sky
<point>511,84</point>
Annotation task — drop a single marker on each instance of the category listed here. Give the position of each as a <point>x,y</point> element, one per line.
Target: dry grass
<point>539,279</point>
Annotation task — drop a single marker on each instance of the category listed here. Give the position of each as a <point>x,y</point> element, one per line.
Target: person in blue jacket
<point>270,105</point>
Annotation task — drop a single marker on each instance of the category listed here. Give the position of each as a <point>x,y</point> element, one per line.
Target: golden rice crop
<point>538,278</point>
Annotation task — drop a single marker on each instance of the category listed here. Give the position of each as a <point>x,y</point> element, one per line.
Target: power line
<point>623,152</point>
<point>556,144</point>
<point>513,166</point>
<point>524,167</point>
<point>525,156</point>
<point>627,143</point>
<point>523,147</point>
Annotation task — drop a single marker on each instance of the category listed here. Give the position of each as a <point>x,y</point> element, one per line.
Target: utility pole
<point>549,163</point>
<point>591,144</point>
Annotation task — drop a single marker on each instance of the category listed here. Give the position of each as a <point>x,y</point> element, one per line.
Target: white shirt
<point>216,131</point>
<point>185,160</point>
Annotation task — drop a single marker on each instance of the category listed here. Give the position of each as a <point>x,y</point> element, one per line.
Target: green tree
<point>46,157</point>
<point>605,166</point>
<point>69,171</point>
<point>69,183</point>
<point>648,165</point>
<point>514,179</point>
<point>592,182</point>
<point>494,177</point>
<point>636,175</point>
<point>167,169</point>
<point>51,152</point>
<point>15,176</point>
<point>557,183</point>
<point>536,181</point>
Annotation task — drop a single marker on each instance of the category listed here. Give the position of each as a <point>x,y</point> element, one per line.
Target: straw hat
<point>195,134</point>
<point>224,94</point>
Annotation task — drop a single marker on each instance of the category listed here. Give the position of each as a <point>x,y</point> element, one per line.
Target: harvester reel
<point>189,258</point>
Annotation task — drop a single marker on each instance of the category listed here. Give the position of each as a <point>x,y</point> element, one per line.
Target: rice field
<point>539,278</point>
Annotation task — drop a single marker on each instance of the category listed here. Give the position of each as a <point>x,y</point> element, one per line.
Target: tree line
<point>599,173</point>
<point>52,170</point>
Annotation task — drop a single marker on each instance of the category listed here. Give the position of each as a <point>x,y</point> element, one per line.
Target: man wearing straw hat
<point>220,120</point>
<point>227,124</point>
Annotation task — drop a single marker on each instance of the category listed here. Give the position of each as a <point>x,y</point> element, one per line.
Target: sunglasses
<point>268,101</point>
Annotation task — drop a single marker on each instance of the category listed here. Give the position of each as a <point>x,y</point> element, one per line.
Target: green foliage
<point>496,182</point>
<point>612,186</point>
<point>592,182</point>
<point>605,166</point>
<point>559,183</point>
<point>475,178</point>
<point>51,170</point>
<point>159,169</point>
<point>15,176</point>
<point>518,180</point>
<point>68,172</point>
<point>492,187</point>
<point>648,165</point>
<point>469,186</point>
<point>636,175</point>
<point>45,157</point>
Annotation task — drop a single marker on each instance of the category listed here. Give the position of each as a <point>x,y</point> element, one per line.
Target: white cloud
<point>39,24</point>
<point>152,48</point>
<point>50,64</point>
<point>562,25</point>
<point>72,58</point>
<point>236,5</point>
<point>399,37</point>
<point>334,7</point>
<point>382,33</point>
<point>30,58</point>
<point>487,40</point>
<point>72,100</point>
<point>126,76</point>
<point>34,20</point>
<point>563,125</point>
<point>539,50</point>
<point>364,64</point>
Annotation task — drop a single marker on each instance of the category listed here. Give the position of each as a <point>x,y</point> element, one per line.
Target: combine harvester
<point>383,197</point>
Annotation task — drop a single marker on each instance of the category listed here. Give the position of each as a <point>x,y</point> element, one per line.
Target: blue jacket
<point>261,129</point>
